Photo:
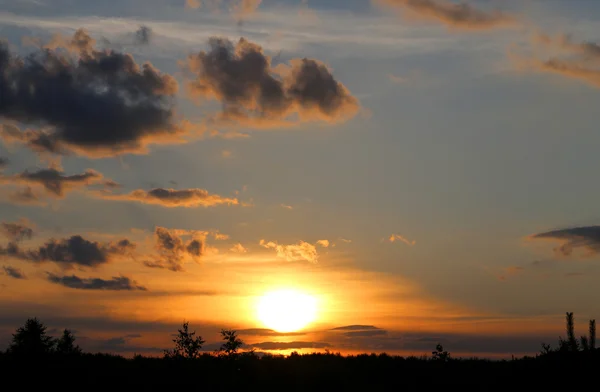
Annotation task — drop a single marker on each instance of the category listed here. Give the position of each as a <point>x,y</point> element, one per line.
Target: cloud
<point>511,271</point>
<point>240,8</point>
<point>17,231</point>
<point>167,197</point>
<point>54,182</point>
<point>584,237</point>
<point>238,248</point>
<point>581,59</point>
<point>3,162</point>
<point>460,16</point>
<point>73,251</point>
<point>398,237</point>
<point>143,35</point>
<point>13,272</point>
<point>267,332</point>
<point>90,102</point>
<point>289,345</point>
<point>302,251</point>
<point>253,93</point>
<point>323,243</point>
<point>117,283</point>
<point>173,251</point>
<point>356,327</point>
<point>25,196</point>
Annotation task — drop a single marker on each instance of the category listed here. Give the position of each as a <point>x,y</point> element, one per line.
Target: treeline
<point>51,360</point>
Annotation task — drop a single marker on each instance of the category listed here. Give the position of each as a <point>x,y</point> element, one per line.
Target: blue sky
<point>455,146</point>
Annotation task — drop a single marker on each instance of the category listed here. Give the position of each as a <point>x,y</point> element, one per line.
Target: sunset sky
<point>424,172</point>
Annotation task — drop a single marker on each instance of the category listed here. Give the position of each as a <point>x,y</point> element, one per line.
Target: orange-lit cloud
<point>54,182</point>
<point>255,94</point>
<point>398,237</point>
<point>568,58</point>
<point>173,251</point>
<point>323,243</point>
<point>302,251</point>
<point>238,248</point>
<point>171,197</point>
<point>462,15</point>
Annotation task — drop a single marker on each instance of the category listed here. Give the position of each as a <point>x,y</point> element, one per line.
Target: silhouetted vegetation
<point>233,368</point>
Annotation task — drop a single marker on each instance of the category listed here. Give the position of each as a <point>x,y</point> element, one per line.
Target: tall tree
<point>232,343</point>
<point>187,345</point>
<point>66,344</point>
<point>31,340</point>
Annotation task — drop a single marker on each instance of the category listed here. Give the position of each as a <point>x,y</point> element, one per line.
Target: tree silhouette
<point>65,345</point>
<point>592,334</point>
<point>187,345</point>
<point>232,342</point>
<point>440,354</point>
<point>31,340</point>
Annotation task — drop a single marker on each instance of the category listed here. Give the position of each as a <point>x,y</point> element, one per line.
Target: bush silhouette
<point>187,345</point>
<point>31,340</point>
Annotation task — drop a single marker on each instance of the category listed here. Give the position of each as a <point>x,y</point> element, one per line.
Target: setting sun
<point>286,310</point>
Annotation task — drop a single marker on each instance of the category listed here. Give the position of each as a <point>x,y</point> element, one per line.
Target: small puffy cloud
<point>220,236</point>
<point>585,237</point>
<point>456,15</point>
<point>238,248</point>
<point>398,237</point>
<point>13,272</point>
<point>167,197</point>
<point>87,101</point>
<point>143,35</point>
<point>71,252</point>
<point>323,243</point>
<point>55,183</point>
<point>253,93</point>
<point>302,251</point>
<point>287,207</point>
<point>17,231</point>
<point>173,251</point>
<point>117,283</point>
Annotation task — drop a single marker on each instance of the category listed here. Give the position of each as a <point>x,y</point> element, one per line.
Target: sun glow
<point>286,310</point>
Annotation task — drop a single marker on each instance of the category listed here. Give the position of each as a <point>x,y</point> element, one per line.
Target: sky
<point>419,168</point>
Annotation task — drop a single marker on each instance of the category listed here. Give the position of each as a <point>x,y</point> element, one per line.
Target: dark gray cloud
<point>289,345</point>
<point>76,251</point>
<point>585,237</point>
<point>143,35</point>
<point>87,101</point>
<point>356,327</point>
<point>54,182</point>
<point>13,272</point>
<point>172,197</point>
<point>3,162</point>
<point>267,332</point>
<point>173,250</point>
<point>16,231</point>
<point>252,92</point>
<point>116,283</point>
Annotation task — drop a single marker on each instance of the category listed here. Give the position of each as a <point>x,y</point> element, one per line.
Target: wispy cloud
<point>461,15</point>
<point>398,237</point>
<point>171,197</point>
